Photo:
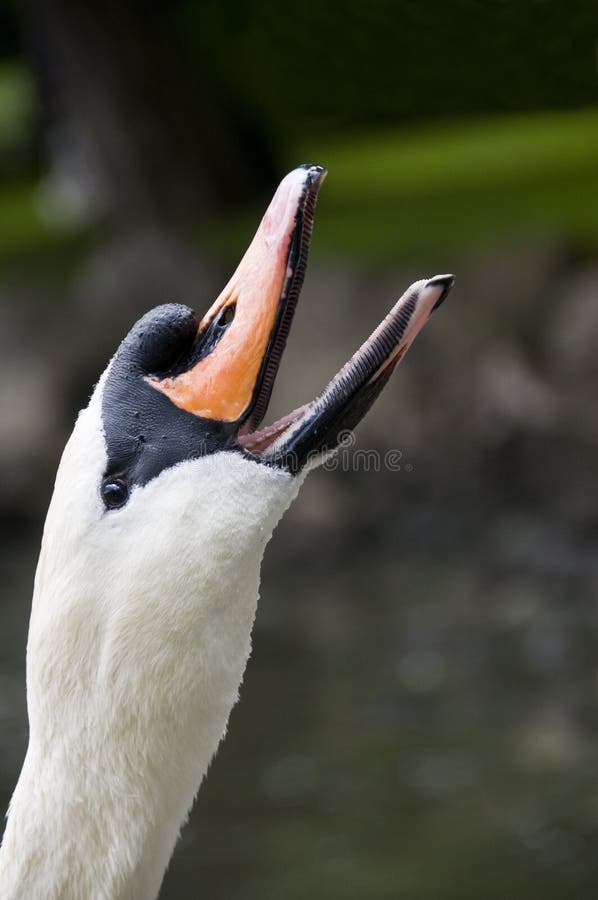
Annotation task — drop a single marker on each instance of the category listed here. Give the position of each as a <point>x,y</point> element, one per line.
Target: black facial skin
<point>145,432</point>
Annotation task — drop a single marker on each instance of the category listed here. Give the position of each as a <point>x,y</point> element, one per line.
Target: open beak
<point>229,375</point>
<point>316,428</point>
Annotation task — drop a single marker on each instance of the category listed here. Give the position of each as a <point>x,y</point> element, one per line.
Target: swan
<point>147,583</point>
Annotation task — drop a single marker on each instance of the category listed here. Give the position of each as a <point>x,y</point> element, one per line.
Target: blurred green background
<point>419,719</point>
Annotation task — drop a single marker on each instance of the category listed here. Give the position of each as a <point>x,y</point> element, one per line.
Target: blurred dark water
<point>418,719</point>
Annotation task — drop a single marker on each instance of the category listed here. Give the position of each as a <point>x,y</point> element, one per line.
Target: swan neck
<point>74,837</point>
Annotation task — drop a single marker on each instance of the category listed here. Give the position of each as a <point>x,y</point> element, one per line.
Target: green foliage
<point>447,187</point>
<point>10,43</point>
<point>312,67</point>
<point>410,192</point>
<point>17,112</point>
<point>357,87</point>
<point>431,191</point>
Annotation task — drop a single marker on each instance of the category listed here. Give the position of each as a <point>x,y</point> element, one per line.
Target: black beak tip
<point>444,281</point>
<point>315,174</point>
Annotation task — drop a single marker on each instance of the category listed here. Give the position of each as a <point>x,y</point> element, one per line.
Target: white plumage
<point>140,633</point>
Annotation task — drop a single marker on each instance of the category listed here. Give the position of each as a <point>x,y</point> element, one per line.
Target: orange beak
<point>232,380</point>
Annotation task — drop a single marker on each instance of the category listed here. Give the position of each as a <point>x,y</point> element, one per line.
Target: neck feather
<point>98,808</point>
<point>75,837</point>
<point>139,636</point>
<point>116,757</point>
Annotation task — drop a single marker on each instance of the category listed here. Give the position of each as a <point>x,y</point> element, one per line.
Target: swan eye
<point>115,493</point>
